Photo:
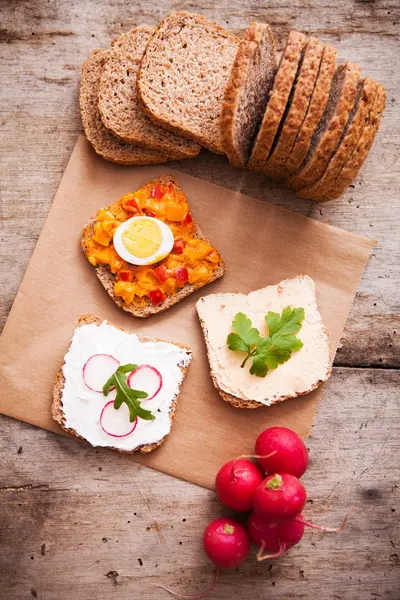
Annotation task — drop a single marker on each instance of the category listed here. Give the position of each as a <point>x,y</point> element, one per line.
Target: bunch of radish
<point>274,494</point>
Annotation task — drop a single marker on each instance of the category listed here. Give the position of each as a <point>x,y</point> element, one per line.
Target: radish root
<point>327,529</point>
<point>248,456</point>
<point>195,597</point>
<point>260,556</point>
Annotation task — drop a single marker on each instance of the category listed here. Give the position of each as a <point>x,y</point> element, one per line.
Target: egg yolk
<point>142,238</point>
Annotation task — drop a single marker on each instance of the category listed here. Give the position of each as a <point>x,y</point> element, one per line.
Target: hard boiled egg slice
<point>143,240</point>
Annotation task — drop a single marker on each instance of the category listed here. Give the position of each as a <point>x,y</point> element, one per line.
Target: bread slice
<point>57,408</point>
<point>142,307</point>
<point>351,167</point>
<point>277,101</point>
<point>247,91</point>
<point>305,370</point>
<point>352,132</point>
<point>341,103</point>
<point>119,107</point>
<point>183,74</point>
<point>314,112</point>
<point>296,109</point>
<point>105,144</point>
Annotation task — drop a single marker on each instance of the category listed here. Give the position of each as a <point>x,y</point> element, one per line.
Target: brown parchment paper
<point>261,244</point>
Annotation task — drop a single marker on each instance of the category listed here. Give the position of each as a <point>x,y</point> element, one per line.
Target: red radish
<point>146,378</point>
<point>290,455</point>
<point>236,483</point>
<point>226,543</point>
<point>97,370</point>
<point>115,422</point>
<point>280,497</point>
<point>274,538</point>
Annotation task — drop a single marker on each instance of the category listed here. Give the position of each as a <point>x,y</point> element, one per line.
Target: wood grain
<point>69,527</point>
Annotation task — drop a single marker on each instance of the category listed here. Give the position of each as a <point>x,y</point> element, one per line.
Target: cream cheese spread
<point>82,407</point>
<point>306,368</point>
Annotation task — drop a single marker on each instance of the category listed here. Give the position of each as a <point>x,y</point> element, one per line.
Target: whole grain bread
<point>277,101</point>
<point>105,144</point>
<point>119,107</point>
<point>314,112</point>
<point>143,307</point>
<point>57,411</point>
<point>338,110</point>
<point>352,132</point>
<point>183,74</point>
<point>246,92</point>
<point>296,109</point>
<point>360,153</point>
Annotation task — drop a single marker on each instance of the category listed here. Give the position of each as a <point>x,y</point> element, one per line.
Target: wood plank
<point>84,523</point>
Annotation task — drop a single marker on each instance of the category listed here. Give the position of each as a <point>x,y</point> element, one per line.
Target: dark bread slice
<point>143,307</point>
<point>57,405</point>
<point>105,144</point>
<point>246,92</point>
<point>277,101</point>
<point>352,132</point>
<point>296,109</point>
<point>119,106</point>
<point>182,76</point>
<point>351,168</point>
<point>341,103</point>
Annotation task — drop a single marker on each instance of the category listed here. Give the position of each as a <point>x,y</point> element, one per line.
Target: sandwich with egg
<point>117,389</point>
<point>266,346</point>
<point>147,250</point>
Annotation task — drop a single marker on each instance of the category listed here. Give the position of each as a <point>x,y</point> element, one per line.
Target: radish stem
<point>325,529</point>
<point>195,597</point>
<point>260,556</point>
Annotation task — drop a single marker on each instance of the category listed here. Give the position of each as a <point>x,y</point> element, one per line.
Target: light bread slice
<point>183,74</point>
<point>296,109</point>
<point>352,132</point>
<point>305,370</point>
<point>314,112</point>
<point>105,144</point>
<point>119,107</point>
<point>278,100</point>
<point>246,92</point>
<point>341,103</point>
<point>354,163</point>
<point>60,415</point>
<point>142,307</point>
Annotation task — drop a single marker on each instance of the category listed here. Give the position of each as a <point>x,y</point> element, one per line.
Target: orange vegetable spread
<point>191,260</point>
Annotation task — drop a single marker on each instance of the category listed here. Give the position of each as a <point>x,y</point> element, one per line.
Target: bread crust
<point>315,110</point>
<point>317,158</point>
<point>278,99</point>
<point>142,307</point>
<point>57,406</point>
<point>296,109</point>
<point>105,144</point>
<point>244,64</point>
<point>346,145</point>
<point>118,104</point>
<point>180,19</point>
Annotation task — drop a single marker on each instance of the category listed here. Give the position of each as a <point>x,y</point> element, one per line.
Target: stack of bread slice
<point>158,94</point>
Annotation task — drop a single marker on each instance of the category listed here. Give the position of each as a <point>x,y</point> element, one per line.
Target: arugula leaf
<point>268,352</point>
<point>126,394</point>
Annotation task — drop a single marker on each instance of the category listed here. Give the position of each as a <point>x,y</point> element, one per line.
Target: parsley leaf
<point>126,394</point>
<point>268,352</point>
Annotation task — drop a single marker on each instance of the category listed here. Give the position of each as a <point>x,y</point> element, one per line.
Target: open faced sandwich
<point>267,346</point>
<point>118,389</point>
<point>147,250</point>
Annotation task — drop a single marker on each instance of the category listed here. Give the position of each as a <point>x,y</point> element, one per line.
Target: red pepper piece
<point>149,213</point>
<point>161,272</point>
<point>156,192</point>
<point>156,296</point>
<point>125,275</point>
<point>178,246</point>
<point>188,219</point>
<point>182,274</point>
<point>132,205</point>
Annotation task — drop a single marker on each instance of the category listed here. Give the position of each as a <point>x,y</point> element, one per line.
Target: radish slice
<point>146,378</point>
<point>116,422</point>
<point>97,370</point>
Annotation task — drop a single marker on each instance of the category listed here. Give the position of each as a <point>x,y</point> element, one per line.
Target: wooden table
<point>87,524</point>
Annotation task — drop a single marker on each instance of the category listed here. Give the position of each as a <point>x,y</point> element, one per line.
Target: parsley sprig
<point>126,394</point>
<point>275,349</point>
